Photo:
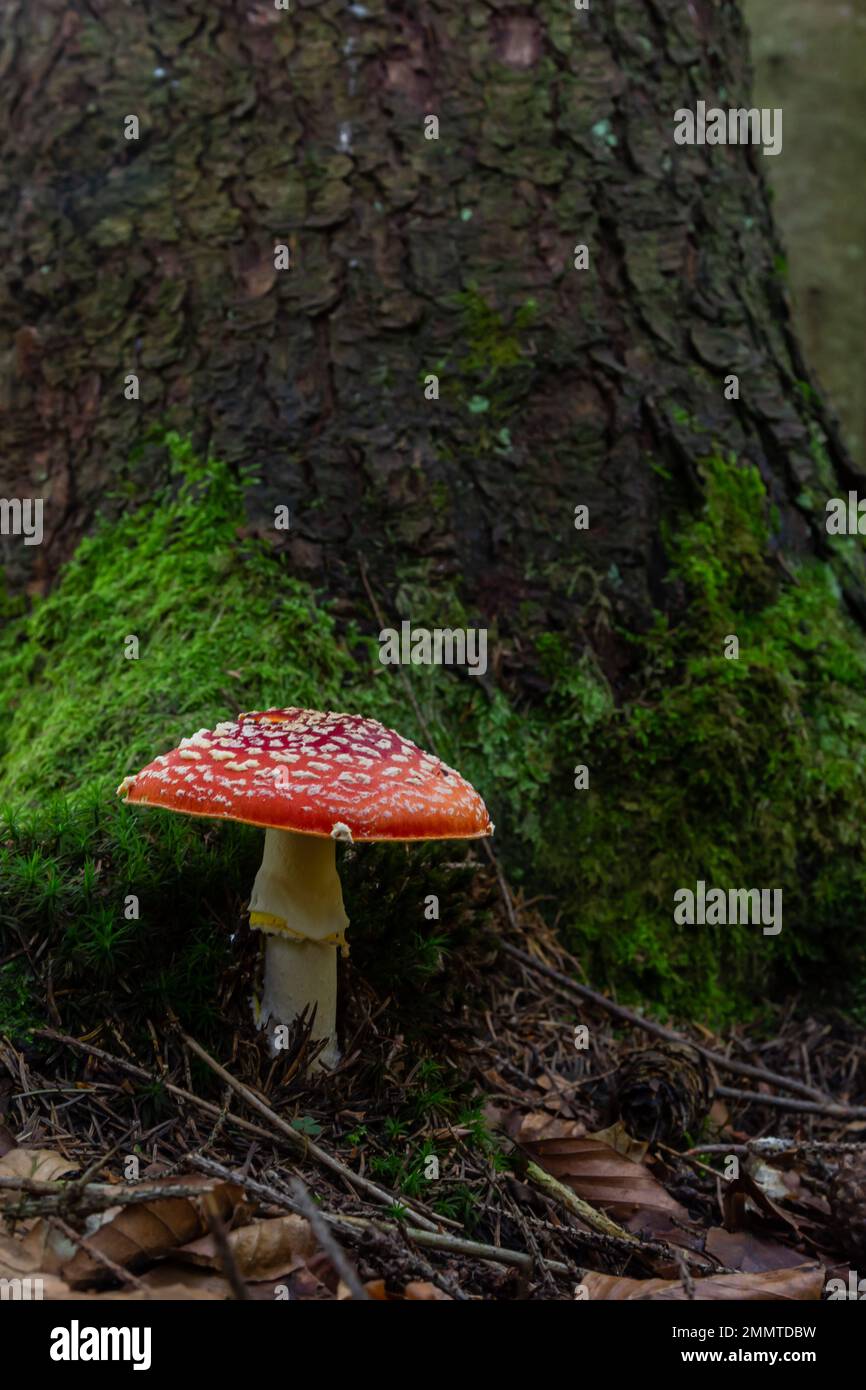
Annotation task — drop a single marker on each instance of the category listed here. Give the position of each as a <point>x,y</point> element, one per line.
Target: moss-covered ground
<point>746,773</point>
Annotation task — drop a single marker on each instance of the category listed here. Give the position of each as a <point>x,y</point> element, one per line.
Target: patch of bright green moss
<point>743,773</point>
<point>221,626</point>
<point>214,632</point>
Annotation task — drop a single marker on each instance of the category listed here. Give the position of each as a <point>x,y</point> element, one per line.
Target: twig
<point>228,1262</point>
<point>456,1245</point>
<point>654,1250</point>
<point>657,1030</point>
<point>686,1279</point>
<point>693,1161</point>
<point>60,1195</point>
<point>134,1070</point>
<point>254,1185</point>
<point>431,1240</point>
<point>769,1146</point>
<point>558,1192</point>
<point>806,1107</point>
<point>503,887</point>
<point>124,1275</point>
<point>303,1145</point>
<point>344,1268</point>
<point>472,1249</point>
<point>296,1141</point>
<point>596,1220</point>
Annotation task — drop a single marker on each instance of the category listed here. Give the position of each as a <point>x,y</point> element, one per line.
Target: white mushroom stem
<point>297,902</point>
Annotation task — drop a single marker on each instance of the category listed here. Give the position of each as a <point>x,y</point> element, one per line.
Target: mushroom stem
<point>297,902</point>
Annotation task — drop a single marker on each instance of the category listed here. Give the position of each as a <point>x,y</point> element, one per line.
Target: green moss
<point>212,634</point>
<point>491,345</point>
<point>438,1095</point>
<point>68,871</point>
<point>743,773</point>
<point>18,1010</point>
<point>510,751</point>
<point>722,553</point>
<point>490,371</point>
<point>221,626</point>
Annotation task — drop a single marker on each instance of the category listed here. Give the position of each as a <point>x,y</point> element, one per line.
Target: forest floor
<point>552,1145</point>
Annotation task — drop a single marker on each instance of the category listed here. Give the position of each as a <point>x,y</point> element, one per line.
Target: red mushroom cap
<point>315,773</point>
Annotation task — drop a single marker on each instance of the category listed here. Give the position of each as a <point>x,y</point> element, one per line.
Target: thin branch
<point>228,1263</point>
<point>657,1030</point>
<point>430,1240</point>
<point>806,1107</point>
<point>304,1146</point>
<point>133,1069</point>
<point>296,1141</point>
<point>596,1220</point>
<point>769,1146</point>
<point>344,1267</point>
<point>125,1276</point>
<point>73,1195</point>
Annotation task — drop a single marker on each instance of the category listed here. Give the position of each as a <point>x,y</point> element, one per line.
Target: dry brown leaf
<point>42,1165</point>
<point>501,1086</point>
<point>420,1290</point>
<point>376,1289</point>
<point>718,1119</point>
<point>539,1124</point>
<point>55,1289</point>
<point>16,1262</point>
<point>207,1282</point>
<point>781,1285</point>
<point>169,1274</point>
<point>743,1191</point>
<point>148,1229</point>
<point>307,1286</point>
<point>617,1137</point>
<point>750,1253</point>
<point>627,1191</point>
<point>263,1250</point>
<point>559,1093</point>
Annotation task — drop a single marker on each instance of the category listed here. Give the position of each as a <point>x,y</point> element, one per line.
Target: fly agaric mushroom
<point>309,779</point>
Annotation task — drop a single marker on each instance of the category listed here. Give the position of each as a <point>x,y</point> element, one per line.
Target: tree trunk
<point>409,257</point>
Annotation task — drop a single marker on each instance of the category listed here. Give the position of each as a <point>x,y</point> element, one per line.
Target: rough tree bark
<point>258,127</point>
